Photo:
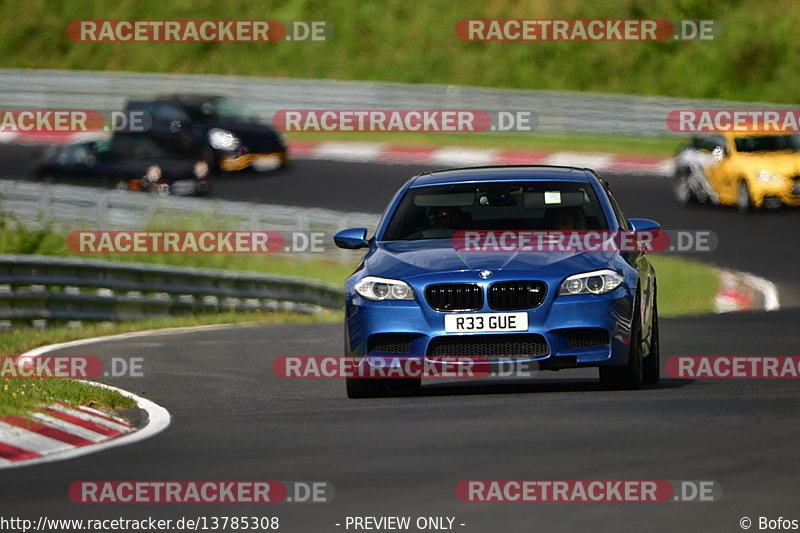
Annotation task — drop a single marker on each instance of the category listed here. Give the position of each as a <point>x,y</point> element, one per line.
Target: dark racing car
<point>214,128</point>
<point>128,162</point>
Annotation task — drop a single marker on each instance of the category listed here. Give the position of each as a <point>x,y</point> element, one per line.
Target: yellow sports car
<point>748,170</point>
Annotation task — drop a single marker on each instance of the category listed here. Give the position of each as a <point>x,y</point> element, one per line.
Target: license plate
<point>266,162</point>
<point>470,323</point>
<point>184,187</point>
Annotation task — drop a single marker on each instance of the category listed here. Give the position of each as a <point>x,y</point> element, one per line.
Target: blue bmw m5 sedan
<point>420,294</point>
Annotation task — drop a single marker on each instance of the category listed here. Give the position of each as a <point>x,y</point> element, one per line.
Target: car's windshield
<point>437,212</point>
<point>768,143</point>
<point>223,109</point>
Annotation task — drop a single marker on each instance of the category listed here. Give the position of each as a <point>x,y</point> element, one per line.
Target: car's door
<point>77,160</point>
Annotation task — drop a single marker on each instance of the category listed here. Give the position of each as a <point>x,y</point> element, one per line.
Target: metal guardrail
<point>73,207</point>
<point>34,287</point>
<point>557,111</point>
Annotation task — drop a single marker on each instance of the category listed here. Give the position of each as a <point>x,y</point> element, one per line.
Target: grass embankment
<point>756,57</point>
<point>685,287</point>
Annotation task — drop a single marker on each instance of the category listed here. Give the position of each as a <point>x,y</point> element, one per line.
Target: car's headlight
<point>377,289</point>
<point>765,176</point>
<point>597,282</point>
<point>223,139</point>
<point>201,169</point>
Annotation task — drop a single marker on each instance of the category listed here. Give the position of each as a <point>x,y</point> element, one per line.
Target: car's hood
<point>405,259</point>
<point>783,163</point>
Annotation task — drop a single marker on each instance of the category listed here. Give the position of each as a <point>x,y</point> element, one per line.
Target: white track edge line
<point>767,289</point>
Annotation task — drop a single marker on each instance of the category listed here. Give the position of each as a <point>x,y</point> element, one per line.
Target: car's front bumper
<point>260,162</point>
<point>774,194</point>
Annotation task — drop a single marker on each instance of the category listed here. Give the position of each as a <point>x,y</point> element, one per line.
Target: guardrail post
<point>102,210</point>
<point>46,204</point>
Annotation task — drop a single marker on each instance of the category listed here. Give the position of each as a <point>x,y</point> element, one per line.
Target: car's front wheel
<point>630,375</point>
<point>680,187</point>
<point>117,183</point>
<point>651,371</point>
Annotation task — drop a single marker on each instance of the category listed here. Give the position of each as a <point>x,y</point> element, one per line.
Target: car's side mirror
<point>352,238</point>
<point>643,224</point>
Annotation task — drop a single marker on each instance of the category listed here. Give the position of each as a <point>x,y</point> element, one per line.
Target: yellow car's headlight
<point>765,176</point>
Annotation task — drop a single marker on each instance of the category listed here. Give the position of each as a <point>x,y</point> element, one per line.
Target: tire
<point>680,188</point>
<point>207,192</point>
<point>378,388</point>
<point>651,368</point>
<point>117,183</point>
<point>744,203</point>
<point>772,204</point>
<point>630,375</point>
<point>212,161</point>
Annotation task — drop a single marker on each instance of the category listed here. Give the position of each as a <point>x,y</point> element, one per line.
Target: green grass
<point>757,56</point>
<point>21,396</point>
<point>618,144</point>
<point>685,287</point>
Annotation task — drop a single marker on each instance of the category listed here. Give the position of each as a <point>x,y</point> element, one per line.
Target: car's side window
<point>149,108</point>
<point>80,155</point>
<point>709,142</point>
<point>167,112</point>
<point>63,155</point>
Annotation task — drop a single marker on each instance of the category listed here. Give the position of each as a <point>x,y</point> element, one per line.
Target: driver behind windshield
<point>564,219</point>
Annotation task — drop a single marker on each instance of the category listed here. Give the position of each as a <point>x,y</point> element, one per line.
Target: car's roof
<point>503,173</point>
<point>742,134</point>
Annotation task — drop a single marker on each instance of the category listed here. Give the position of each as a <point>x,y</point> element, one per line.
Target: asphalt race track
<point>404,456</point>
